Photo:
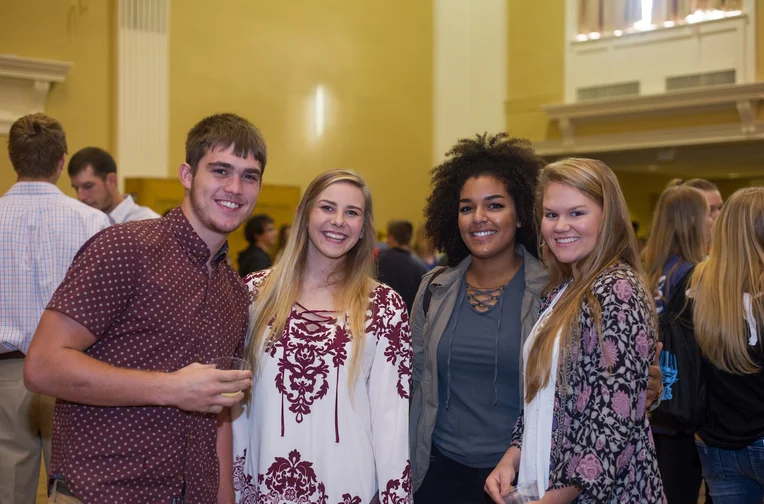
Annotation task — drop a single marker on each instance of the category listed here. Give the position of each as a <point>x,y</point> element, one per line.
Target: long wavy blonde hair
<point>352,276</point>
<point>734,266</point>
<point>616,243</point>
<point>679,228</point>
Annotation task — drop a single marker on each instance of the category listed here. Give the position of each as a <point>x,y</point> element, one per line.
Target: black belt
<point>12,355</point>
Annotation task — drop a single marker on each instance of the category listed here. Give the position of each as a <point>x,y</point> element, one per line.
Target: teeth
<point>229,204</point>
<point>566,240</point>
<point>484,233</point>
<point>334,236</point>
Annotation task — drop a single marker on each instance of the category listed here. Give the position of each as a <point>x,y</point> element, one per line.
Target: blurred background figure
<point>641,241</point>
<point>709,190</point>
<point>397,266</point>
<point>93,173</point>
<point>678,241</point>
<point>424,248</point>
<point>283,238</point>
<point>728,316</point>
<point>41,230</point>
<point>261,235</point>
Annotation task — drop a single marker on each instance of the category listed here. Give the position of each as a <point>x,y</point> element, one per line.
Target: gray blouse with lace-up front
<point>478,390</point>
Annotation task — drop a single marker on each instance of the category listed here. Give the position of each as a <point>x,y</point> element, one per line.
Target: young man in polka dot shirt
<point>124,341</point>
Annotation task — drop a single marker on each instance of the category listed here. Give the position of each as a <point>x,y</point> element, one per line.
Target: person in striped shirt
<point>41,230</point>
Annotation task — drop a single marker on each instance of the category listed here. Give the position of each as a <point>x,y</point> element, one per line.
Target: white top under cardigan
<point>536,451</point>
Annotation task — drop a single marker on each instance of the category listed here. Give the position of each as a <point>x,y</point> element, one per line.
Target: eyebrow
<point>487,198</point>
<point>223,164</point>
<point>578,207</point>
<point>335,204</point>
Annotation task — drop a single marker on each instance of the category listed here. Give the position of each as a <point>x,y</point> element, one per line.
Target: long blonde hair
<point>616,243</point>
<point>353,275</point>
<point>679,228</point>
<point>734,266</point>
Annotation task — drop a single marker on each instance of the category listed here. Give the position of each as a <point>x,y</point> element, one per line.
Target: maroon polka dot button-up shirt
<point>144,290</point>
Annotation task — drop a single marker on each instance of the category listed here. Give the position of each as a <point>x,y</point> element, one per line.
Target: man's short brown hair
<point>401,231</point>
<point>36,143</point>
<point>220,131</point>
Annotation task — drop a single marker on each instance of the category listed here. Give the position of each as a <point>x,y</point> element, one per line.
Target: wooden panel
<point>162,195</point>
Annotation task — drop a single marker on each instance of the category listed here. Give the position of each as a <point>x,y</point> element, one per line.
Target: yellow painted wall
<point>264,59</point>
<point>641,192</point>
<point>79,32</point>
<point>536,64</point>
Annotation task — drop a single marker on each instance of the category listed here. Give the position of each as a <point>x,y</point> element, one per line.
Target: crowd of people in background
<point>514,338</point>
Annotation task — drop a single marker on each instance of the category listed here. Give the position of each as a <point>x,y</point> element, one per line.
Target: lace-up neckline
<point>482,300</point>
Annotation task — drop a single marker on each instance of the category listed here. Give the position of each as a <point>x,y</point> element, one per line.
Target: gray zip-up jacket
<point>426,333</point>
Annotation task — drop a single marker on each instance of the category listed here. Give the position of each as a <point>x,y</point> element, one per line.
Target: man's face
<point>269,235</point>
<point>93,190</point>
<point>714,202</point>
<point>223,192</point>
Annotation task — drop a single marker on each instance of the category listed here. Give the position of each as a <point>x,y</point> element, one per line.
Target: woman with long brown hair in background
<point>331,350</point>
<point>679,238</point>
<point>583,435</point>
<point>727,291</point>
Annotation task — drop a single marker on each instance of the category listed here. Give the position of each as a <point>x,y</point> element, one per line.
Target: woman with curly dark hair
<point>470,320</point>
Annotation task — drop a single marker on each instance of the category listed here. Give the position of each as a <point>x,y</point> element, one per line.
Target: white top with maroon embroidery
<point>302,439</point>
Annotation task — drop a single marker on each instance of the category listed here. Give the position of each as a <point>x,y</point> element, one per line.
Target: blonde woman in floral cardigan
<point>583,435</point>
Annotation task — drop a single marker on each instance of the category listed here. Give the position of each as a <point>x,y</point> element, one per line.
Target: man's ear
<point>186,175</point>
<point>111,179</point>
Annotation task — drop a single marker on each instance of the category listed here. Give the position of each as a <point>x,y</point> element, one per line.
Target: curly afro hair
<point>511,160</point>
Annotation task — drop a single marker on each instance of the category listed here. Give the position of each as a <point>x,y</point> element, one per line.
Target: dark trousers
<point>680,467</point>
<point>448,481</point>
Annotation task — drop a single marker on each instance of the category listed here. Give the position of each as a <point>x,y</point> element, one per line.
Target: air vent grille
<point>144,15</point>
<point>700,80</point>
<point>608,91</point>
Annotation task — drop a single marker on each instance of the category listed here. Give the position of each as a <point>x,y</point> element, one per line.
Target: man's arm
<point>226,493</point>
<point>56,365</point>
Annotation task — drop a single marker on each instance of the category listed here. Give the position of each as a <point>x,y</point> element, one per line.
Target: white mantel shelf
<point>744,98</point>
<point>24,86</point>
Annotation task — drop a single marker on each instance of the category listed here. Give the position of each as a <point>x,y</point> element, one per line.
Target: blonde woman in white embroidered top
<point>328,417</point>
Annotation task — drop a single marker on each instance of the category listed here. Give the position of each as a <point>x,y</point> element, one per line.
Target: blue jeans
<point>734,476</point>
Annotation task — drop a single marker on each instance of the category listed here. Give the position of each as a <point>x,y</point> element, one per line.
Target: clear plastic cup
<point>231,364</point>
<point>523,493</point>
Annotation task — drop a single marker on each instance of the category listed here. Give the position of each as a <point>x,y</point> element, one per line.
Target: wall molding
<point>743,98</point>
<point>697,135</point>
<point>25,84</point>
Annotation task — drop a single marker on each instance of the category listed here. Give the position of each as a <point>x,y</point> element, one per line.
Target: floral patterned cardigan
<point>601,439</point>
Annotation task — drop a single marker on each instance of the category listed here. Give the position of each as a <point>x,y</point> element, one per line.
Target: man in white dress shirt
<point>94,177</point>
<point>41,230</point>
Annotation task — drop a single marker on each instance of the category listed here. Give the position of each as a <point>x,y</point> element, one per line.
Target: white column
<point>469,70</point>
<point>143,111</point>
